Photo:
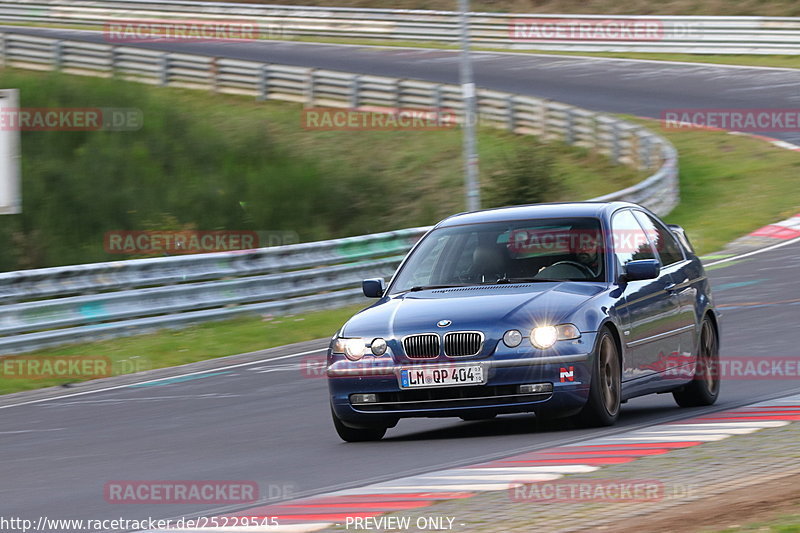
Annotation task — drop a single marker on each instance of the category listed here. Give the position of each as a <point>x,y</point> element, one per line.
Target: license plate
<point>418,377</point>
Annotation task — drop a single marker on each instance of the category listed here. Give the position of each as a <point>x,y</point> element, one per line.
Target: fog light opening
<point>363,398</point>
<point>535,388</point>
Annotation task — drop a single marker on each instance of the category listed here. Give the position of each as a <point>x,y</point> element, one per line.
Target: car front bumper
<point>569,375</point>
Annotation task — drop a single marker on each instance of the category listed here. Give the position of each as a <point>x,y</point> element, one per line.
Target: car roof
<point>534,211</point>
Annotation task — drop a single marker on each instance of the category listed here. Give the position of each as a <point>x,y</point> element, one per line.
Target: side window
<point>664,241</point>
<point>630,240</point>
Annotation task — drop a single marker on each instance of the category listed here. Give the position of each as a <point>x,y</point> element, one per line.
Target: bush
<point>526,178</point>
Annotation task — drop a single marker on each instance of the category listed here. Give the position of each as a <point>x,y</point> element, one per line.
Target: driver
<point>587,251</point>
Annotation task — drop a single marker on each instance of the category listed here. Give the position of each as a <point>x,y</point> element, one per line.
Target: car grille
<point>424,346</point>
<point>462,343</point>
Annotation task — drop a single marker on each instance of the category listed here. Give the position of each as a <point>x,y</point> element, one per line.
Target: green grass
<point>731,185</point>
<point>788,523</point>
<point>211,162</point>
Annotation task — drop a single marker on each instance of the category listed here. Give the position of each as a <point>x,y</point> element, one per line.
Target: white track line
<point>756,252</point>
<point>117,387</point>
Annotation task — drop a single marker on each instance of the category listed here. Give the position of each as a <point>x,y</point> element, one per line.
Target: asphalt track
<point>621,86</point>
<point>269,422</point>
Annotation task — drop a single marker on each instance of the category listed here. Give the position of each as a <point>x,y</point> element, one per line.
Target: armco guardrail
<point>588,33</point>
<point>53,306</point>
<point>46,307</point>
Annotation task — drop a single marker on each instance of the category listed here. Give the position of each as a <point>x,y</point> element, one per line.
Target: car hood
<point>482,308</point>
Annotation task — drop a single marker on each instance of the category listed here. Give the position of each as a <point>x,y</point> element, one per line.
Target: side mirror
<point>681,234</point>
<point>373,288</point>
<point>641,270</point>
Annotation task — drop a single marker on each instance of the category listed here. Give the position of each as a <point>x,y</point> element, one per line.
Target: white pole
<point>10,188</point>
<point>471,184</point>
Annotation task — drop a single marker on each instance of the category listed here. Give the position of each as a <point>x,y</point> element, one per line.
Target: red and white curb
<point>784,230</point>
<point>414,492</point>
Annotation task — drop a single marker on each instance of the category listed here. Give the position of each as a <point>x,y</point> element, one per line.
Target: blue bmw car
<point>562,310</point>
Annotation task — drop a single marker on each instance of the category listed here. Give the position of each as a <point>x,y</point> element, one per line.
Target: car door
<point>651,314</point>
<point>683,288</point>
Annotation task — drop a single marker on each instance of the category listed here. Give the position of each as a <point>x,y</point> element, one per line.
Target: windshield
<point>568,249</point>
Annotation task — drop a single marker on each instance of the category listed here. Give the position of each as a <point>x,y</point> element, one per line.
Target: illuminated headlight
<point>353,349</point>
<point>544,337</point>
<point>378,347</point>
<point>512,338</point>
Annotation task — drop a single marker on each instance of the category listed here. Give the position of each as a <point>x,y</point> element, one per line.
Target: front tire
<point>365,434</point>
<point>704,387</point>
<point>602,408</point>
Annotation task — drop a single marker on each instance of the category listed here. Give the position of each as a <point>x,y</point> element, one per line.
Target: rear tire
<point>704,387</point>
<point>602,408</point>
<point>365,434</point>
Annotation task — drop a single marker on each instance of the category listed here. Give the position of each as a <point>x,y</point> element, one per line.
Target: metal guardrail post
<point>615,143</point>
<point>58,55</point>
<point>164,70</point>
<point>644,150</point>
<point>263,82</point>
<point>112,60</point>
<point>569,134</point>
<point>437,98</point>
<point>213,73</point>
<point>310,86</point>
<point>511,113</point>
<point>355,91</point>
<point>398,94</point>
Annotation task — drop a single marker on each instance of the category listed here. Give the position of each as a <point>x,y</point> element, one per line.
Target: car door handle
<point>672,289</point>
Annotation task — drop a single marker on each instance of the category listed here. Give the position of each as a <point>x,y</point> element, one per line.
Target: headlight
<point>378,347</point>
<point>512,338</point>
<point>544,337</point>
<point>353,349</point>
